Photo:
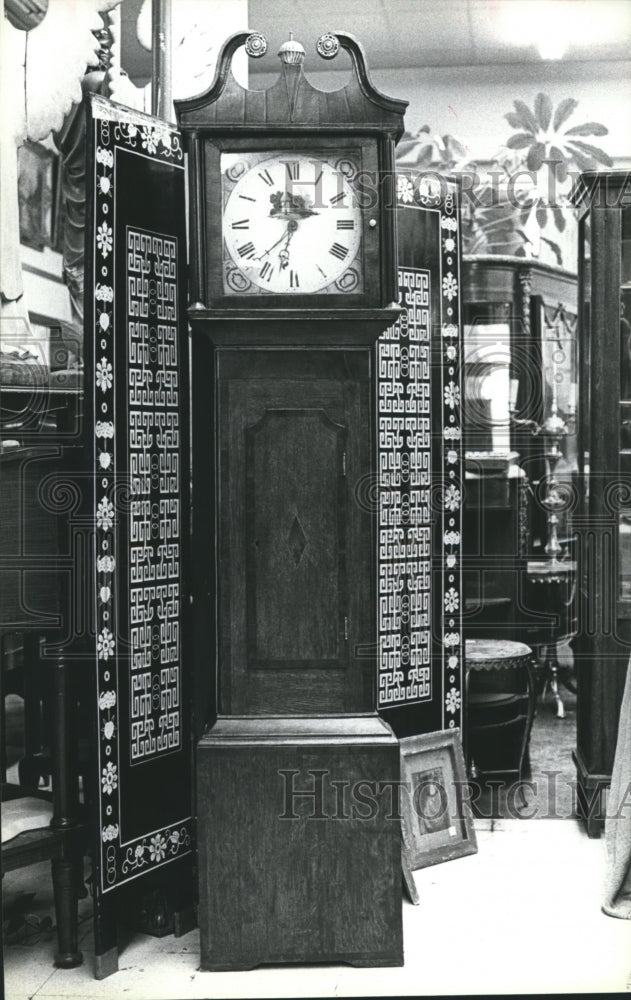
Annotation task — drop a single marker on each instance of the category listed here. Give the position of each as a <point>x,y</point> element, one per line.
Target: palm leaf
<point>454,147</point>
<point>405,144</point>
<point>543,110</point>
<point>595,152</point>
<point>563,112</point>
<point>522,236</point>
<point>520,140</point>
<point>588,128</point>
<point>424,156</point>
<point>515,120</point>
<point>526,118</point>
<point>541,215</point>
<point>559,217</point>
<point>535,156</point>
<point>558,166</point>
<point>583,162</point>
<point>556,249</point>
<point>524,214</point>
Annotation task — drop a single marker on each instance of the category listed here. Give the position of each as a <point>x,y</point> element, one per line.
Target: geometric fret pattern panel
<point>420,464</point>
<point>137,397</point>
<point>405,506</point>
<point>154,480</point>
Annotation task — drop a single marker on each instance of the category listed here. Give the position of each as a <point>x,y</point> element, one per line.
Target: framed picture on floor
<point>436,818</point>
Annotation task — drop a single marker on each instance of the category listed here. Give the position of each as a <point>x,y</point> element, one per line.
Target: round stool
<point>500,711</point>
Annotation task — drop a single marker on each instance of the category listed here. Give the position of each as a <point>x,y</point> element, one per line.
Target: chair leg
<point>66,875</point>
<point>33,714</point>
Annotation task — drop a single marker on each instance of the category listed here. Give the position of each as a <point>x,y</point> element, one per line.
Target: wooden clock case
<point>292,865</point>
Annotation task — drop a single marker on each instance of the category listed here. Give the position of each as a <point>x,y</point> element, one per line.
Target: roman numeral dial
<point>291,224</point>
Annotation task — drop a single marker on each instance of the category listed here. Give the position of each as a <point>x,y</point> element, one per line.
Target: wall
<point>471,101</point>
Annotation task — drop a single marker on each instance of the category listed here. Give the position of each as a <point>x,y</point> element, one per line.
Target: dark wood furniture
<point>603,521</point>
<point>29,544</point>
<point>61,842</point>
<point>30,605</point>
<point>285,565</point>
<point>520,329</point>
<point>316,876</point>
<point>22,675</point>
<point>32,602</point>
<point>551,595</point>
<point>495,552</point>
<point>501,702</point>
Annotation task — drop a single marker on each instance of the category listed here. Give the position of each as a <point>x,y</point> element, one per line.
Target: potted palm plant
<point>517,203</point>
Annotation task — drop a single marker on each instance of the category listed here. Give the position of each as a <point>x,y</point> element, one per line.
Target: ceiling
<point>408,33</point>
<point>419,33</point>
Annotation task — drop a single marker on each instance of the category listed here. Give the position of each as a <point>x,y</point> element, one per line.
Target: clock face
<point>291,224</point>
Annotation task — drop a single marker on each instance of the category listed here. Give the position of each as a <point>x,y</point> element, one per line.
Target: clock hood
<point>293,101</point>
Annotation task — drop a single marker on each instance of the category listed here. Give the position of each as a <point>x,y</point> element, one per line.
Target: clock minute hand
<point>286,235</point>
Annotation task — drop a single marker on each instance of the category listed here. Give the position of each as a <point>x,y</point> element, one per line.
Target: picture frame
<point>36,194</point>
<point>437,823</point>
<point>409,884</point>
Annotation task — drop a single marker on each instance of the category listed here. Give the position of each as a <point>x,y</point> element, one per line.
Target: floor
<point>520,916</point>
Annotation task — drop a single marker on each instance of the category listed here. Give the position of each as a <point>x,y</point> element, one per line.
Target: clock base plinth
<point>299,842</point>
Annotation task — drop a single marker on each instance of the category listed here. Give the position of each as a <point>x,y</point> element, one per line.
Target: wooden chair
<point>23,675</point>
<point>41,827</point>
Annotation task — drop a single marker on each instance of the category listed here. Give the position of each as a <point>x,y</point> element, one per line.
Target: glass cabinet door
<point>487,361</point>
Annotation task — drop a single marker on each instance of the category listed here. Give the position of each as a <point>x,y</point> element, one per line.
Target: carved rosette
<point>256,45</point>
<point>327,46</point>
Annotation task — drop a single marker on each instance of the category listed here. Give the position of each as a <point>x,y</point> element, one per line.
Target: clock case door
<point>363,152</point>
<point>295,547</point>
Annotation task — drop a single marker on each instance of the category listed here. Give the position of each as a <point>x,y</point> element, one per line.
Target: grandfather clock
<point>293,278</point>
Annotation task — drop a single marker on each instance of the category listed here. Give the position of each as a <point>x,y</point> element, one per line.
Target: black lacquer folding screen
<point>420,468</point>
<point>137,427</point>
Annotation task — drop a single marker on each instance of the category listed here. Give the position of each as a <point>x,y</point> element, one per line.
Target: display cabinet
<point>495,551</point>
<point>521,371</point>
<point>520,391</point>
<point>604,521</point>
